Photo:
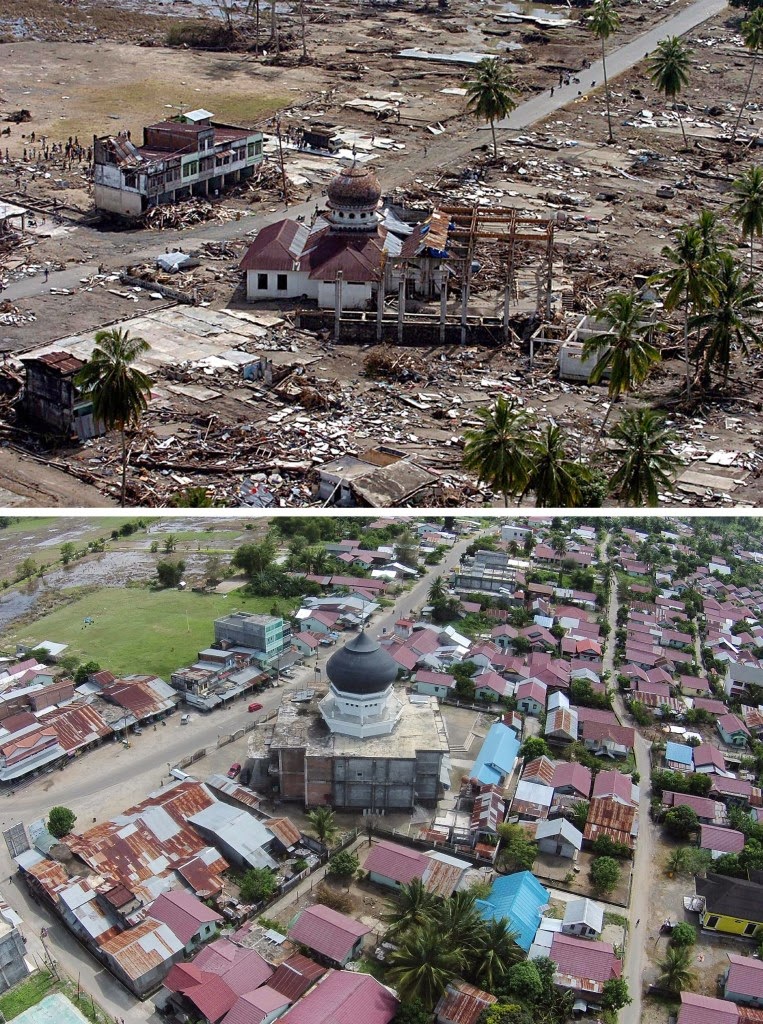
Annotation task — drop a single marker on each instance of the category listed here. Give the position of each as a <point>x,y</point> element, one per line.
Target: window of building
<point>712,922</point>
<point>190,168</point>
<point>258,148</point>
<point>749,929</point>
<point>262,281</point>
<point>250,149</point>
<point>282,282</point>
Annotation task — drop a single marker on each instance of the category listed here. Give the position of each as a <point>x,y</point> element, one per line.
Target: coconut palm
<point>669,71</point>
<point>675,970</point>
<point>677,861</point>
<point>747,204</point>
<point>552,475</point>
<point>497,451</point>
<point>414,907</point>
<point>624,349</point>
<point>711,231</point>
<point>689,277</point>
<point>118,390</point>
<point>459,922</point>
<point>423,964</point>
<point>727,321</point>
<point>752,34</point>
<point>490,93</point>
<point>604,22</point>
<point>495,952</point>
<point>323,824</point>
<point>436,592</point>
<point>643,447</point>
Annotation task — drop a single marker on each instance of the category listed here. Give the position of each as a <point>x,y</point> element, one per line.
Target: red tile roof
<point>327,932</point>
<point>295,975</point>
<point>581,958</point>
<point>344,998</point>
<point>213,998</point>
<point>183,914</point>
<point>400,863</point>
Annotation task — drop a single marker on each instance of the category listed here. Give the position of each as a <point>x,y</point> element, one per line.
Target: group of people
<point>40,150</point>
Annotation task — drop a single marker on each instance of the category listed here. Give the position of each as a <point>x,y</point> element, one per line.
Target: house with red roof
<point>583,966</point>
<point>720,840</point>
<point>531,697</point>
<point>394,865</point>
<point>320,622</point>
<point>743,980</point>
<point>697,1009</point>
<point>343,997</point>
<point>462,1003</point>
<point>186,916</point>
<point>261,1006</point>
<point>709,760</point>
<point>333,937</point>
<point>295,975</point>
<point>732,730</point>
<point>435,684</point>
<point>572,779</point>
<point>608,740</point>
<point>307,643</point>
<point>616,785</point>
<point>490,686</point>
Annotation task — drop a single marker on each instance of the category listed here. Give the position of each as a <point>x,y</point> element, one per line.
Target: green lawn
<point>25,994</point>
<point>139,630</point>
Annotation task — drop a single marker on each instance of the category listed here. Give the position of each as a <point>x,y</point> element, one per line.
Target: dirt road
<point>24,482</point>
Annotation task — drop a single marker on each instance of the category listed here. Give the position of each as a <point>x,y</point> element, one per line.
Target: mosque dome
<point>361,667</point>
<point>353,199</point>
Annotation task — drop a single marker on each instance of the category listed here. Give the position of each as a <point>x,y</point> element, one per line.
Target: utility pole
<point>280,157</point>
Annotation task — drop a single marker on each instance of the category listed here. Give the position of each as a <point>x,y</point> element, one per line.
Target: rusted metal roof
<point>463,1004</point>
<point>63,363</point>
<point>608,817</point>
<point>143,948</point>
<point>77,725</point>
<point>285,831</point>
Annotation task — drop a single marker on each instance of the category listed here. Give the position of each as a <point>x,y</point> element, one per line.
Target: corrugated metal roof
<point>608,817</point>
<point>183,913</point>
<point>400,863</point>
<point>285,831</point>
<point>724,840</point>
<point>463,1004</point>
<point>706,1010</point>
<point>295,975</point>
<point>745,976</point>
<point>344,998</point>
<point>585,959</point>
<point>143,948</point>
<point>63,363</point>
<point>327,932</point>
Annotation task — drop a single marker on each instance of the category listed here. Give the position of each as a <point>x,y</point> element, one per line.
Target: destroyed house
<point>51,397</point>
<point>190,155</point>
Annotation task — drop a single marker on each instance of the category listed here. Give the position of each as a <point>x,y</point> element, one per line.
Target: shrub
<point>336,899</point>
<point>605,874</point>
<point>684,934</point>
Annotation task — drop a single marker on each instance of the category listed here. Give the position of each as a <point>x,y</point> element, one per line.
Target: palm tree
<point>689,278</point>
<point>496,951</point>
<point>552,475</point>
<point>414,907</point>
<point>711,231</point>
<point>604,22</point>
<point>323,824</point>
<point>459,922</point>
<point>752,34</point>
<point>498,450</point>
<point>118,390</point>
<point>727,321</point>
<point>624,350</point>
<point>643,446</point>
<point>677,861</point>
<point>423,964</point>
<point>669,70</point>
<point>489,95</point>
<point>675,970</point>
<point>436,591</point>
<point>747,205</point>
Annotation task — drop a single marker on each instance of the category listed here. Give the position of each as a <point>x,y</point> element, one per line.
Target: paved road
<point>111,778</point>
<point>643,861</point>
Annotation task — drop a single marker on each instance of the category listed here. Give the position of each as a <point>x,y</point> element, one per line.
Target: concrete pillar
<point>400,308</point>
<point>379,308</point>
<point>337,303</point>
<point>465,300</point>
<point>506,310</point>
<point>443,302</point>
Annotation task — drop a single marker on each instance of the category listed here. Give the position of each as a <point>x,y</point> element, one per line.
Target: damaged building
<point>190,155</point>
<point>367,746</point>
<point>351,254</point>
<point>51,398</point>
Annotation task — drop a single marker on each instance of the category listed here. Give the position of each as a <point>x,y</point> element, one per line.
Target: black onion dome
<point>361,667</point>
<point>354,188</point>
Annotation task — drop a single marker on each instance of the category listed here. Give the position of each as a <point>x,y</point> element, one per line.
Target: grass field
<point>25,994</point>
<point>139,630</point>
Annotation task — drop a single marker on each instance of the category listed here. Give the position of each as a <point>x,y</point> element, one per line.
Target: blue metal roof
<point>497,755</point>
<point>520,898</point>
<point>681,753</point>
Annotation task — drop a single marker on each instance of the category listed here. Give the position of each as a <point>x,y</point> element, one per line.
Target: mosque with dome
<point>367,746</point>
<point>355,240</point>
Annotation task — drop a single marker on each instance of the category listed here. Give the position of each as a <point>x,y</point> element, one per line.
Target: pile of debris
<point>12,316</point>
<point>391,364</point>
<point>178,215</point>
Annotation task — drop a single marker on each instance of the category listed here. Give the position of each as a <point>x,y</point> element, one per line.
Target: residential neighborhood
<point>551,793</point>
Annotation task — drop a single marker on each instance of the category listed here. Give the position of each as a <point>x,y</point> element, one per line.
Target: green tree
<point>118,390</point>
<point>675,970</point>
<point>681,821</point>
<point>323,824</point>
<point>413,1012</point>
<point>257,885</point>
<point>603,23</point>
<point>61,821</point>
<point>525,982</point>
<point>624,349</point>
<point>489,93</point>
<point>517,852</point>
<point>676,862</point>
<point>752,34</point>
<point>688,280</point>
<point>643,448</point>
<point>170,573</point>
<point>669,71</point>
<point>25,569</point>
<point>506,1013</point>
<point>459,922</point>
<point>747,205</point>
<point>170,542</point>
<point>552,476</point>
<point>498,450</point>
<point>495,952</point>
<point>605,874</point>
<point>532,747</point>
<point>615,994</point>
<point>683,934</point>
<point>83,673</point>
<point>68,551</point>
<point>256,558</point>
<point>437,593</point>
<point>414,907</point>
<point>579,815</point>
<point>343,865</point>
<point>727,320</point>
<point>422,965</point>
